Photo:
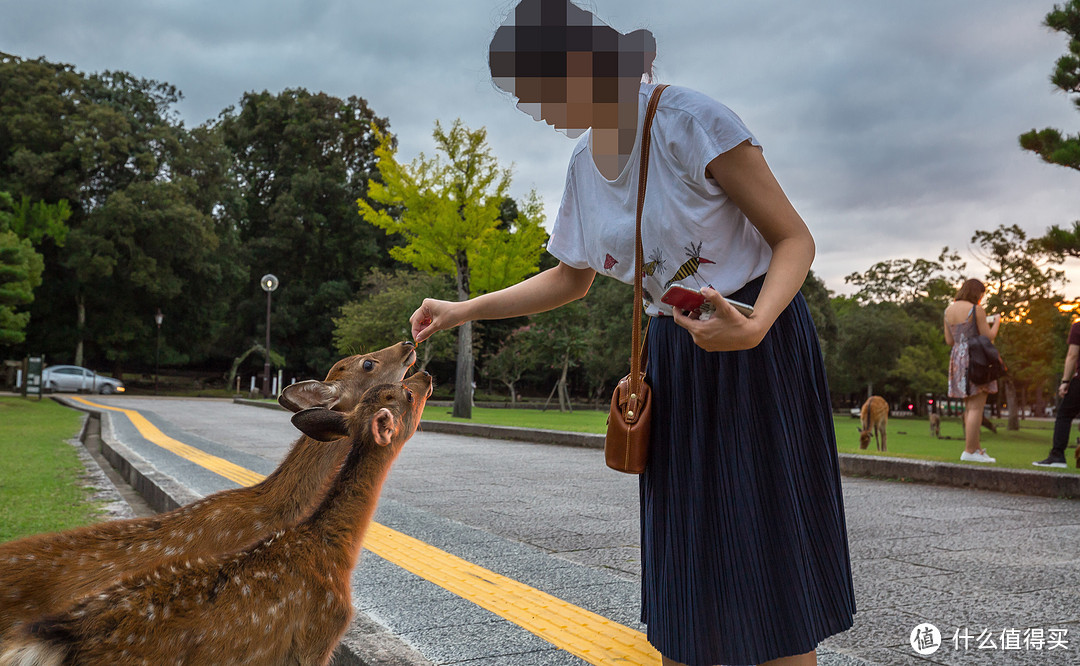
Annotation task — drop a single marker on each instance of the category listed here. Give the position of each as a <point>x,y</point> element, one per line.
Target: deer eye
<point>369,365</point>
<point>408,395</point>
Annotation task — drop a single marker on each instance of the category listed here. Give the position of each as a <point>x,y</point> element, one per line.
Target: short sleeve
<point>701,129</point>
<point>567,240</point>
<point>1074,334</point>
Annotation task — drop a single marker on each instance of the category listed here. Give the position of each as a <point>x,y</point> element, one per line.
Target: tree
<point>904,280</point>
<point>609,313</point>
<point>872,337</point>
<point>1050,144</point>
<point>299,162</point>
<point>562,338</point>
<point>448,211</point>
<point>96,149</point>
<point>150,244</point>
<point>922,366</point>
<point>379,317</point>
<point>516,356</point>
<point>20,274</point>
<point>818,301</point>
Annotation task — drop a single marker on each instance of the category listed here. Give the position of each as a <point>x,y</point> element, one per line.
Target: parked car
<point>73,378</point>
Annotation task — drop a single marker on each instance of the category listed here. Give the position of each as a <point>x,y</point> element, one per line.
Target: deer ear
<point>382,427</point>
<point>321,423</point>
<point>307,394</point>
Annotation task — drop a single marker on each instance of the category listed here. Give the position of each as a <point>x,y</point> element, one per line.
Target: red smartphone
<point>687,300</point>
<point>692,300</point>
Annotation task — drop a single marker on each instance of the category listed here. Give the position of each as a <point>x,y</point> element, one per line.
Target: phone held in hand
<point>692,300</point>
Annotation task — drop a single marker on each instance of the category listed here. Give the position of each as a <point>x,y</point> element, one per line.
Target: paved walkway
<point>1002,569</point>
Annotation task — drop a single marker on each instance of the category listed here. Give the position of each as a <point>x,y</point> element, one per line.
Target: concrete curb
<point>258,403</point>
<point>1016,481</point>
<point>366,643</point>
<point>559,437</point>
<point>161,492</point>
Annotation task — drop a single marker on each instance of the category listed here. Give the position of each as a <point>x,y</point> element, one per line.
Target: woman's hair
<point>535,38</point>
<point>971,291</point>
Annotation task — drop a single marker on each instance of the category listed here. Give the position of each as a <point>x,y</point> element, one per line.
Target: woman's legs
<point>808,659</point>
<point>973,414</point>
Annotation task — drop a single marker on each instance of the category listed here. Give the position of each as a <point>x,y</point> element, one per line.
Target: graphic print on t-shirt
<point>609,262</point>
<point>656,262</point>
<point>690,268</point>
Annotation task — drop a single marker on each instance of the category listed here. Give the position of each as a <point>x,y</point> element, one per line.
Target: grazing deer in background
<point>284,600</point>
<point>935,424</point>
<point>875,412</point>
<point>46,573</point>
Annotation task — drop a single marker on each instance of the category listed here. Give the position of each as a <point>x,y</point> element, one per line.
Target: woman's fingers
<point>726,329</point>
<point>421,322</point>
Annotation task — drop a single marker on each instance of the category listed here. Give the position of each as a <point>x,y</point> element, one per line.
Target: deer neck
<point>344,515</point>
<point>298,483</point>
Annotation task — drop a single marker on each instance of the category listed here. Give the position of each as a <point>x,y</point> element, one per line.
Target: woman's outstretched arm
<point>540,293</point>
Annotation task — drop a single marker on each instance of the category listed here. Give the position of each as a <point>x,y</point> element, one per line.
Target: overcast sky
<point>891,125</point>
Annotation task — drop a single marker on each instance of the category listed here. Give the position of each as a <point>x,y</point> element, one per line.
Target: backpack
<point>984,362</point>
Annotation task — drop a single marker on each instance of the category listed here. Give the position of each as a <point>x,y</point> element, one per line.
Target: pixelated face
<point>565,66</point>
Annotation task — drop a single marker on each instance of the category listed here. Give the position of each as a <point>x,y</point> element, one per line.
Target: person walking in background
<point>744,544</point>
<point>1069,390</point>
<point>964,319</point>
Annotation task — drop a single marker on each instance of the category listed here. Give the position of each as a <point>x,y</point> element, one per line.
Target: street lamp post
<point>158,318</point>
<point>269,283</point>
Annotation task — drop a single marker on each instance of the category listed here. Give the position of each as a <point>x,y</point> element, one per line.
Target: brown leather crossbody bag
<point>626,447</point>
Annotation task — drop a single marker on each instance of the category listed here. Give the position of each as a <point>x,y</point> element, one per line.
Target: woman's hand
<point>726,330</point>
<point>433,316</point>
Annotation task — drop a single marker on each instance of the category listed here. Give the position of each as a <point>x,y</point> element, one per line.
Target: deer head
<point>347,380</point>
<point>386,415</point>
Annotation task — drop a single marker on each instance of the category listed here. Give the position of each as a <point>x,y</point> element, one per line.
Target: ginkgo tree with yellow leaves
<point>450,210</point>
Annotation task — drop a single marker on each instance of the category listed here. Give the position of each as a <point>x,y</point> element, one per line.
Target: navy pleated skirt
<point>744,546</point>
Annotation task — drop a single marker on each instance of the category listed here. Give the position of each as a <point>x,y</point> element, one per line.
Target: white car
<point>73,378</point>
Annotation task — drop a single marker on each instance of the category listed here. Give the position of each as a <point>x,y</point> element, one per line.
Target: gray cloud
<point>892,126</point>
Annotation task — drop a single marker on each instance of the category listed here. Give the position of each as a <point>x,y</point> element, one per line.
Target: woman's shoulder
<point>692,119</point>
<point>957,312</point>
<point>687,100</point>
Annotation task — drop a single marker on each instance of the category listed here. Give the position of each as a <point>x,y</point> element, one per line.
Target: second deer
<point>285,600</point>
<point>875,414</point>
<point>46,573</point>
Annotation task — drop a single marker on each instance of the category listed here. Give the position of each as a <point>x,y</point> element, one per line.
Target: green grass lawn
<point>908,437</point>
<point>580,420</point>
<point>39,471</point>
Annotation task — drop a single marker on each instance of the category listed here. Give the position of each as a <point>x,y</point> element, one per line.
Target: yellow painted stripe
<point>591,637</point>
<point>220,466</point>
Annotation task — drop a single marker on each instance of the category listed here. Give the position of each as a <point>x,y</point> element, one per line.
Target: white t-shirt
<point>690,231</point>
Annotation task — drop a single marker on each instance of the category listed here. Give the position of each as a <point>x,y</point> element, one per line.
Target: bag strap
<point>637,349</point>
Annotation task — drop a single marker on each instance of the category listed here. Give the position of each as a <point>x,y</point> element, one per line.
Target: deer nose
<point>409,343</point>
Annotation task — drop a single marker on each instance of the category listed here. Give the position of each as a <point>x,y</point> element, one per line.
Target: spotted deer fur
<point>285,600</point>
<point>875,413</point>
<point>46,573</point>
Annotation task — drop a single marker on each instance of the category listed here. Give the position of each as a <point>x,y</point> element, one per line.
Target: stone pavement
<point>999,568</point>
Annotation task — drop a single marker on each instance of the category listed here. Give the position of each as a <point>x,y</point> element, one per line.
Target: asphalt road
<point>1001,570</point>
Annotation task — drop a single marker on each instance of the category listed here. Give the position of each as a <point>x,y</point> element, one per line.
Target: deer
<point>875,412</point>
<point>284,600</point>
<point>45,573</point>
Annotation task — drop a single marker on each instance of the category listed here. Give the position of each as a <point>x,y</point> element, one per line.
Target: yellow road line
<point>592,637</point>
<point>220,466</point>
